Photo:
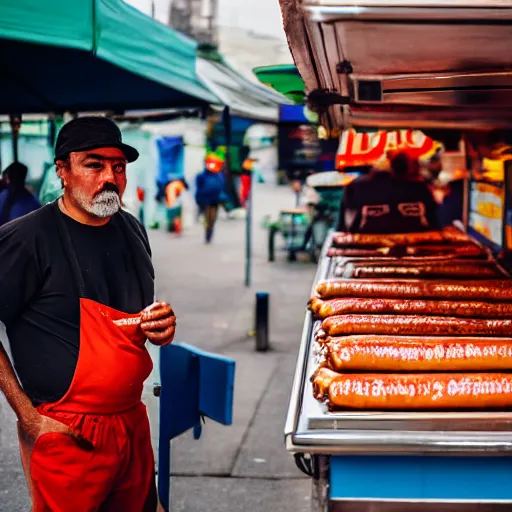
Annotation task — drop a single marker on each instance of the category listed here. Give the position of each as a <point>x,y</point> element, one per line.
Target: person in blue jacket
<point>210,192</point>
<point>15,200</point>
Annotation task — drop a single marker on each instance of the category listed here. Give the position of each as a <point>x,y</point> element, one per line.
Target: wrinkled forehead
<point>99,154</point>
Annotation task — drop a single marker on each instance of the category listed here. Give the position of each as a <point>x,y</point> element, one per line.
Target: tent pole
<point>248,233</point>
<point>15,127</point>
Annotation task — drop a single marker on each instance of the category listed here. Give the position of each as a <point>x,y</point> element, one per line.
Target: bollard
<point>262,313</point>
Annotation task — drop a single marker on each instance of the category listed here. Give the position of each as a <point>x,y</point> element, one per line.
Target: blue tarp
<point>171,162</point>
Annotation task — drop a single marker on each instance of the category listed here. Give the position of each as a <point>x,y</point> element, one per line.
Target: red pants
<point>117,476</point>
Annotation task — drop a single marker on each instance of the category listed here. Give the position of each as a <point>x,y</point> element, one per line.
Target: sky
<point>261,17</point>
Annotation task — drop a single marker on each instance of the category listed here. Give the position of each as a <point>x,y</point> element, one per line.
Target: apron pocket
<point>56,453</point>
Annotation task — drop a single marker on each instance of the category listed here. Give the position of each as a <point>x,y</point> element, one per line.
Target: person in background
<point>451,207</point>
<point>3,181</point>
<point>173,191</point>
<point>388,201</point>
<point>15,200</point>
<point>246,180</point>
<point>141,195</point>
<point>210,192</point>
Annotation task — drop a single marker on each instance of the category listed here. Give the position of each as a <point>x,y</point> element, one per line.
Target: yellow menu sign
<point>487,210</point>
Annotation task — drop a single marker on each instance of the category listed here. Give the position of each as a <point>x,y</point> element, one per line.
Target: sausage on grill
<point>465,250</point>
<point>333,252</point>
<point>413,325</point>
<point>412,354</point>
<point>497,290</point>
<point>390,240</point>
<point>323,309</point>
<point>424,271</point>
<point>414,391</point>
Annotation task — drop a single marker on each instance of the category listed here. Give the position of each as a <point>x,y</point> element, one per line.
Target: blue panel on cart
<point>415,477</point>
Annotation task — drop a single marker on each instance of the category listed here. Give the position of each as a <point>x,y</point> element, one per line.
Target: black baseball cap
<point>85,133</point>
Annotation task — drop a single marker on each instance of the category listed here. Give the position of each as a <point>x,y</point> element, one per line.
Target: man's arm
<point>31,423</point>
<point>19,282</point>
<point>20,403</point>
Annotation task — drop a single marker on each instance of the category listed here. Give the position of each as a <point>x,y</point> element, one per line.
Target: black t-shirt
<point>381,203</point>
<point>39,294</point>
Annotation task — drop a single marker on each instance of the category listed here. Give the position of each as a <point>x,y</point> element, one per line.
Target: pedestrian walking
<point>76,297</point>
<point>210,192</point>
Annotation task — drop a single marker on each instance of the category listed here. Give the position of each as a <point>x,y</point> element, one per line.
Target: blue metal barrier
<point>194,385</point>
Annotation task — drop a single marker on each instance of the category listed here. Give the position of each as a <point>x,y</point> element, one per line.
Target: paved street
<point>243,467</point>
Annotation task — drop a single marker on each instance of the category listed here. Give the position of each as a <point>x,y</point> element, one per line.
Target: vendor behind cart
<point>388,200</point>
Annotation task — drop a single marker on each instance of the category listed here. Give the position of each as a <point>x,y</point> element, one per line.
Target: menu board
<point>487,210</point>
<point>508,205</point>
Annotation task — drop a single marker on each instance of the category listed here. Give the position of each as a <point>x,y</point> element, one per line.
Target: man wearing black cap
<point>76,297</point>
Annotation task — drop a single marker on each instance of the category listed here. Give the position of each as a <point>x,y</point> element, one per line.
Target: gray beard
<point>104,205</point>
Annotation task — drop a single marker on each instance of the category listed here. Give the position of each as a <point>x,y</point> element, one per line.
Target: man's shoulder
<point>133,224</point>
<point>39,218</point>
<point>26,230</point>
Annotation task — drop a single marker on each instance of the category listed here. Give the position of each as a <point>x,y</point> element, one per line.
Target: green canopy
<point>284,79</point>
<point>84,55</point>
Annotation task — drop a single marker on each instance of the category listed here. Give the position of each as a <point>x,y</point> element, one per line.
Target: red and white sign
<point>363,149</point>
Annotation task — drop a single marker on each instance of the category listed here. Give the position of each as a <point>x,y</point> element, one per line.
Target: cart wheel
<point>292,256</point>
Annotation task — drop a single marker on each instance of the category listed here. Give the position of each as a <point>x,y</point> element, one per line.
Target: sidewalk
<point>243,467</point>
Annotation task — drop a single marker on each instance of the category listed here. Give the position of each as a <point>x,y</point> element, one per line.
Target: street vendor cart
<point>358,458</point>
<point>402,393</point>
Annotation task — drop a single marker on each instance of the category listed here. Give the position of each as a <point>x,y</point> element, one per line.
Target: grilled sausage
<point>420,391</point>
<point>425,271</point>
<point>466,250</point>
<point>415,325</point>
<point>337,253</point>
<point>452,234</point>
<point>497,290</point>
<point>390,240</point>
<point>402,353</point>
<point>323,309</point>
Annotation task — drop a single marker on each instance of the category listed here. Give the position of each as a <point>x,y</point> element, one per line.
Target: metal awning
<point>404,59</point>
<point>244,98</point>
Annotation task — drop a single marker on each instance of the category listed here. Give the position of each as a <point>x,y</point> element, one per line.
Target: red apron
<point>104,405</point>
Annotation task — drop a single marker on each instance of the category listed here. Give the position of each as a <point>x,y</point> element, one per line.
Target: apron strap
<point>136,244</point>
<point>69,249</point>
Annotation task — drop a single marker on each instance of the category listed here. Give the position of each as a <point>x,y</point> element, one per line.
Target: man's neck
<point>69,208</point>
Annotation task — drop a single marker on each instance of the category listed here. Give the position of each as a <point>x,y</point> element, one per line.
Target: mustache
<point>109,187</point>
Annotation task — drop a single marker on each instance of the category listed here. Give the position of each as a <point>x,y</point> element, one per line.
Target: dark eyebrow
<point>95,156</point>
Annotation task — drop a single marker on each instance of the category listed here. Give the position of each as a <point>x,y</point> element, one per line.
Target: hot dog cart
<point>362,460</point>
<point>401,64</point>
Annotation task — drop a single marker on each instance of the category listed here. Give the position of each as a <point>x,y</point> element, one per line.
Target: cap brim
<point>130,152</point>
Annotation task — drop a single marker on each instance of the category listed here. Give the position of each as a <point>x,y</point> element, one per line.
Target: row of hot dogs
<point>419,248</point>
<point>415,343</point>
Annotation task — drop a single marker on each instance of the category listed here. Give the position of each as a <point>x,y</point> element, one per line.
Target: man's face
<point>96,180</point>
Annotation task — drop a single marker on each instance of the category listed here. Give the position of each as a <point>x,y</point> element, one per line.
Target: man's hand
<point>158,323</point>
<point>33,425</point>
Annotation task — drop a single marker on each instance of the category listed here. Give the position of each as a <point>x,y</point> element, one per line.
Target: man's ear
<point>61,167</point>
